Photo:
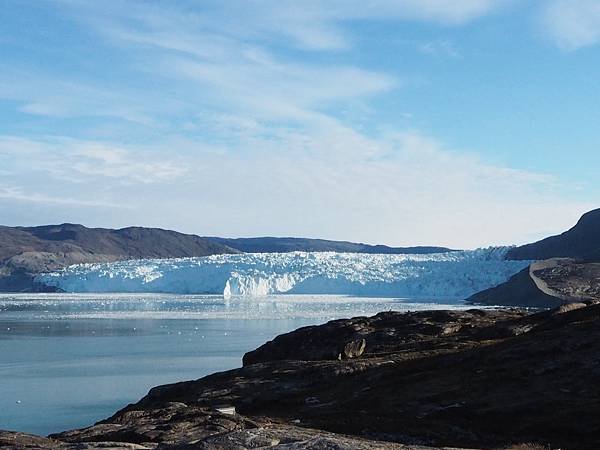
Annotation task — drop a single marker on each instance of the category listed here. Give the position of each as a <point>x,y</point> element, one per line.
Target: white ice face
<point>453,275</point>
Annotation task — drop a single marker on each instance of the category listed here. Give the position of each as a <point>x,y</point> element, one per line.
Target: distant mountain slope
<point>581,241</point>
<point>289,244</point>
<point>26,251</point>
<point>131,242</point>
<point>568,272</point>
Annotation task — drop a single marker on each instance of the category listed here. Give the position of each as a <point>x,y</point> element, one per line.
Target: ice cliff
<point>453,275</point>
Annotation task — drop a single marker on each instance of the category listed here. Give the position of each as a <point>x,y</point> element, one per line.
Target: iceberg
<point>448,276</point>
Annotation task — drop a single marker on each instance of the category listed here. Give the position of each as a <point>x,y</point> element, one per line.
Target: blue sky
<point>454,122</point>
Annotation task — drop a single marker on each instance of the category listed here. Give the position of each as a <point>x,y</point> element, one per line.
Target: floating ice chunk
<point>239,285</point>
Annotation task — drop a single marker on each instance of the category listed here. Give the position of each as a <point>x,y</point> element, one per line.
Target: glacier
<point>448,276</point>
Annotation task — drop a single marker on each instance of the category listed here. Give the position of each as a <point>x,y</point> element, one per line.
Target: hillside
<point>567,270</point>
<point>581,242</point>
<point>290,244</point>
<point>26,251</point>
<point>520,290</point>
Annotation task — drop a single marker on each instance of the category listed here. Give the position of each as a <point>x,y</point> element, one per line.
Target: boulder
<point>353,349</point>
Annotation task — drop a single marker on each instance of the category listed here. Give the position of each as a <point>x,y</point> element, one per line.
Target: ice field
<point>452,275</point>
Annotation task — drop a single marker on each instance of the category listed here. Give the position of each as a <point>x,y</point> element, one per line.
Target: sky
<point>462,123</point>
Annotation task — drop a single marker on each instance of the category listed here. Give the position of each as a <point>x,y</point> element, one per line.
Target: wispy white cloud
<point>222,70</point>
<point>42,94</point>
<point>280,91</point>
<point>572,24</point>
<point>333,182</point>
<point>319,24</point>
<point>102,160</point>
<point>76,160</point>
<point>199,66</point>
<point>313,24</point>
<point>403,189</point>
<point>218,54</point>
<point>14,193</point>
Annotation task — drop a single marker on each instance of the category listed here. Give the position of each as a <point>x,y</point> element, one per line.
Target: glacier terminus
<point>448,276</point>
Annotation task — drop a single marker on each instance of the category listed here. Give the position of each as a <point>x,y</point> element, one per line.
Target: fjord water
<point>68,360</point>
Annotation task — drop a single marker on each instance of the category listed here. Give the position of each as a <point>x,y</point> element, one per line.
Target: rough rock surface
<point>568,269</point>
<point>353,349</point>
<point>386,333</point>
<point>22,441</point>
<point>271,436</point>
<point>472,379</point>
<point>547,283</point>
<point>567,279</point>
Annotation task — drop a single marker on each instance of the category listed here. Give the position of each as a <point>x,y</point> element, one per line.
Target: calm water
<point>67,361</point>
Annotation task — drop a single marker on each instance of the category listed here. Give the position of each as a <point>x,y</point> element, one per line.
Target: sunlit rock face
<point>452,275</point>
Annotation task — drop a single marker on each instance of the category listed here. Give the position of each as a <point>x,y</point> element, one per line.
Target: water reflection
<point>69,360</point>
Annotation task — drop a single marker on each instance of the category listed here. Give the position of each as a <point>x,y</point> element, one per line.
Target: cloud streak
<point>404,188</point>
<point>78,161</point>
<point>311,24</point>
<point>14,193</point>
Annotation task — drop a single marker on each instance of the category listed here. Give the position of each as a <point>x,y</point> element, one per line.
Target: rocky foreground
<point>436,379</point>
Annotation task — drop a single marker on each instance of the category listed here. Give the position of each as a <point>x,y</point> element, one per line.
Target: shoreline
<point>465,379</point>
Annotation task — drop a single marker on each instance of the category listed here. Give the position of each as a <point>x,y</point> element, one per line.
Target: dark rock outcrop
<point>385,333</point>
<point>520,290</point>
<point>472,379</point>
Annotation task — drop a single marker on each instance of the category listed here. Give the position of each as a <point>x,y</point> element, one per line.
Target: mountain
<point>27,251</point>
<point>567,269</point>
<point>290,244</point>
<point>581,242</point>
